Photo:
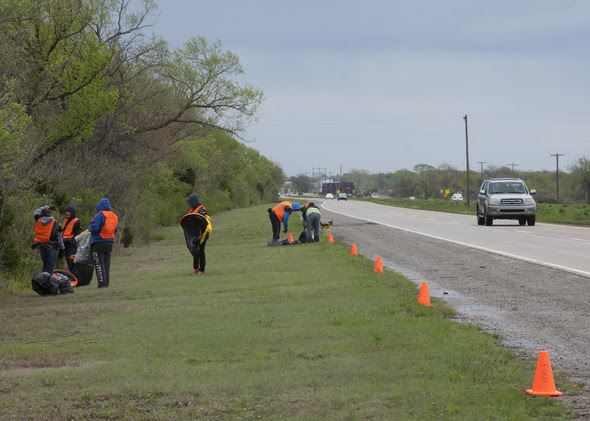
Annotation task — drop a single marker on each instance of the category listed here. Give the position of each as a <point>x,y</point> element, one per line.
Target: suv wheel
<point>480,219</point>
<point>522,220</point>
<point>531,220</point>
<point>488,219</point>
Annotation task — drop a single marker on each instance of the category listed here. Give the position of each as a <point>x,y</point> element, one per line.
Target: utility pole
<point>467,156</point>
<point>557,155</point>
<point>513,165</point>
<point>482,162</point>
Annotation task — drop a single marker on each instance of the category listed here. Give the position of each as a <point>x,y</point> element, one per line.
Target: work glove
<point>285,230</point>
<point>34,245</point>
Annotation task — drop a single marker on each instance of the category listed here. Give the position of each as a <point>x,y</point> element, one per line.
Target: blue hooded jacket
<point>98,222</point>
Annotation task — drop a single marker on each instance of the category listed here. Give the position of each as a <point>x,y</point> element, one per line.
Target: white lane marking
<point>461,243</point>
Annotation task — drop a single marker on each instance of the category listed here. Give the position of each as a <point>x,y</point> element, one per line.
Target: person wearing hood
<point>280,213</point>
<point>72,227</point>
<point>197,207</point>
<point>47,237</point>
<point>103,228</point>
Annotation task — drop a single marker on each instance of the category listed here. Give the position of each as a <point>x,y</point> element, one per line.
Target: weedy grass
<point>295,332</point>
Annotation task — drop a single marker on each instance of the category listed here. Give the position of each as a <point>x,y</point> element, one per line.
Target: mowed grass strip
<point>295,332</point>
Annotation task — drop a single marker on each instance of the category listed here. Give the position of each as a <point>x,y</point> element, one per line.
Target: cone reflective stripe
<point>290,239</point>
<point>353,250</point>
<point>330,239</point>
<point>378,265</point>
<point>543,383</point>
<point>423,297</point>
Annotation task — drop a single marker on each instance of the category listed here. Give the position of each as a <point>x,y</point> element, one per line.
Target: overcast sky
<point>384,85</point>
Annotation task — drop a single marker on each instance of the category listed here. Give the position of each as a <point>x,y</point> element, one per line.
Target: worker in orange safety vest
<point>280,213</point>
<point>47,237</point>
<point>103,227</point>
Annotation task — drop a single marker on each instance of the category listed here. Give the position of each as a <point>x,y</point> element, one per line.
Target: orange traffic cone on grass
<point>330,238</point>
<point>353,250</point>
<point>378,265</point>
<point>423,297</point>
<point>543,383</point>
<point>290,239</point>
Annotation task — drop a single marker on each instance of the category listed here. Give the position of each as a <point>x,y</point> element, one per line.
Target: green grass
<point>546,212</point>
<point>303,332</point>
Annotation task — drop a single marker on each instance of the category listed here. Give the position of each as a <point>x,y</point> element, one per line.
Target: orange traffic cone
<point>423,297</point>
<point>378,265</point>
<point>330,238</point>
<point>290,239</point>
<point>543,383</point>
<point>353,250</point>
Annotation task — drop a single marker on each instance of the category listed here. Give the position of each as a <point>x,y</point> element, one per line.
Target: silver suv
<point>505,198</point>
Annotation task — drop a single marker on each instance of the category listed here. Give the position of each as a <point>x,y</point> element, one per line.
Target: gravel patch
<point>532,307</point>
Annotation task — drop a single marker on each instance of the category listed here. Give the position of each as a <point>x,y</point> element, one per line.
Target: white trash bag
<point>84,255</point>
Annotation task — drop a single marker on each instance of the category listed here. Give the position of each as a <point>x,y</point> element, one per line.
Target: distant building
<point>344,187</point>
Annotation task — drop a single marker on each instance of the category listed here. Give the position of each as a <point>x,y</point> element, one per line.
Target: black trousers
<point>199,259</point>
<point>71,248</point>
<point>102,261</point>
<point>276,224</point>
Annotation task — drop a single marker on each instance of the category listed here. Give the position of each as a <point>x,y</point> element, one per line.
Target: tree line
<point>93,105</point>
<point>428,182</point>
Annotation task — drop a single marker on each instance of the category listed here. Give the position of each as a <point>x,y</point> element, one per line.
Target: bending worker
<point>312,215</point>
<point>280,213</point>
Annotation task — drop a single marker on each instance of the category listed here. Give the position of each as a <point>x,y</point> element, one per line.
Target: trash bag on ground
<point>46,284</point>
<point>71,277</point>
<point>279,242</point>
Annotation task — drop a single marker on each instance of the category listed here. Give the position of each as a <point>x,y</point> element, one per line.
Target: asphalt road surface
<point>529,284</point>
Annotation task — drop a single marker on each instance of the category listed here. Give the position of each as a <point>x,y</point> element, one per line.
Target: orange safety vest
<point>196,210</point>
<point>279,209</point>
<point>43,232</point>
<point>110,224</point>
<point>68,228</point>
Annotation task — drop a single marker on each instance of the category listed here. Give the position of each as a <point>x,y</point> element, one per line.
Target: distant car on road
<point>342,196</point>
<point>300,194</point>
<point>457,197</point>
<point>329,196</point>
<point>374,195</point>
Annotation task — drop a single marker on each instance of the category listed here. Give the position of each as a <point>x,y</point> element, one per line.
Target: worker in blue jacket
<point>103,227</point>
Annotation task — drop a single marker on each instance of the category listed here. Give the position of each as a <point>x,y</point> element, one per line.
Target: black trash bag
<point>43,284</point>
<point>83,273</point>
<point>302,237</point>
<point>194,225</point>
<point>46,284</point>
<point>279,242</point>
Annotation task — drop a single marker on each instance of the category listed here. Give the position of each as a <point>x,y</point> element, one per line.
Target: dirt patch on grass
<point>37,362</point>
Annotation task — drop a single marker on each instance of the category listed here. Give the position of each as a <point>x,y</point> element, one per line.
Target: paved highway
<point>557,246</point>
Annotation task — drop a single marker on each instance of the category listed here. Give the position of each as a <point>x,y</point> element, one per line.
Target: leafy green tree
<point>581,174</point>
<point>427,174</point>
<point>302,182</point>
<point>361,179</point>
